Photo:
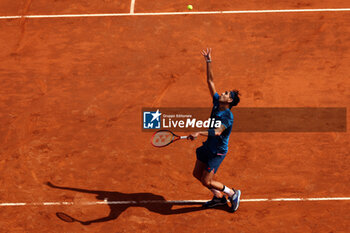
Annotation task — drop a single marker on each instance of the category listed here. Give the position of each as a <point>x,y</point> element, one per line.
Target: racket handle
<point>183,137</point>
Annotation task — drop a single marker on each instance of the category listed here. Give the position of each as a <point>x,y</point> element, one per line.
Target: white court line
<point>175,13</point>
<point>171,202</point>
<point>132,7</point>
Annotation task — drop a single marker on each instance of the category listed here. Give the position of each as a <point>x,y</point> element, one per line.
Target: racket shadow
<point>152,202</point>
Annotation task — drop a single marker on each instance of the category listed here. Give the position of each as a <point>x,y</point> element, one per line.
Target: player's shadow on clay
<point>122,201</point>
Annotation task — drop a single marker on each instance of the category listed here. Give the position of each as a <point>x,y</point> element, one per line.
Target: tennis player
<point>213,151</point>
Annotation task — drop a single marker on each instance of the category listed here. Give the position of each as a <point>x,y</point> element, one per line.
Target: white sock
<point>216,192</point>
<point>228,191</point>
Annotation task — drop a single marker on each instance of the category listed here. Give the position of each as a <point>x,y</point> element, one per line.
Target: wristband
<point>208,61</point>
<point>211,132</point>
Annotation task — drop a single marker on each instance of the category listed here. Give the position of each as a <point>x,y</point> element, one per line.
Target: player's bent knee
<point>206,183</point>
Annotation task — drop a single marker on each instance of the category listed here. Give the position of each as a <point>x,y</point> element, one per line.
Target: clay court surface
<point>71,95</point>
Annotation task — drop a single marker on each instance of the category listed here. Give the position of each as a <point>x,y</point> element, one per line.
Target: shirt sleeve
<point>227,120</point>
<point>216,99</point>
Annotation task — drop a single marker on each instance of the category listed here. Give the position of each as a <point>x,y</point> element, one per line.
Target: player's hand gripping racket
<point>163,138</point>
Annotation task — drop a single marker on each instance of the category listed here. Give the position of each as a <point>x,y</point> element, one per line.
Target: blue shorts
<point>212,161</point>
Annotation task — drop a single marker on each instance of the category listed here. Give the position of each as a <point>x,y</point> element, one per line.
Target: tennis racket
<point>163,138</point>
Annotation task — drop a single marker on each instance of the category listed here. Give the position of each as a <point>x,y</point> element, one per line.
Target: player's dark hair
<point>234,94</point>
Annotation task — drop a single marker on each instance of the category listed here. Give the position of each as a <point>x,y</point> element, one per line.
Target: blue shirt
<point>219,144</point>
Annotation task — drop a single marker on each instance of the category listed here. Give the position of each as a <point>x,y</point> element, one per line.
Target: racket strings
<point>162,138</point>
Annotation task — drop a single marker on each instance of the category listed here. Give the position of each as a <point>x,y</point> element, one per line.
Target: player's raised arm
<point>210,81</point>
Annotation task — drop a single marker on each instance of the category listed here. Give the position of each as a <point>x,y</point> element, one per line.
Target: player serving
<point>214,149</point>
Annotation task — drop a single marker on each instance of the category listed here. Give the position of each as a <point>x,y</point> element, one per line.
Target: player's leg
<point>198,169</point>
<point>201,162</point>
<point>218,198</point>
<point>209,182</point>
<point>233,195</point>
<point>213,164</point>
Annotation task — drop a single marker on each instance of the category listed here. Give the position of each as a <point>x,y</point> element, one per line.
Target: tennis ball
<point>190,7</point>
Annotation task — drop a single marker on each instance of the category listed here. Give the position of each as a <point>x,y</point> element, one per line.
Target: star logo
<point>151,120</point>
<point>156,115</point>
